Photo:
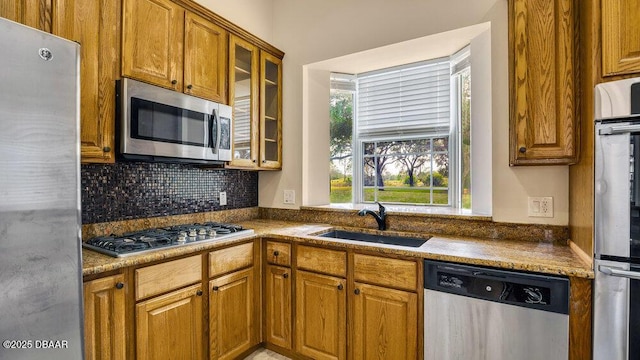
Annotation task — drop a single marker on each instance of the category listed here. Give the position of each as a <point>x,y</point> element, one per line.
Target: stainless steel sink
<point>375,238</point>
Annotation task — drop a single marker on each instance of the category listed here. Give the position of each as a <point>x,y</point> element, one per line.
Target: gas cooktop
<point>148,240</point>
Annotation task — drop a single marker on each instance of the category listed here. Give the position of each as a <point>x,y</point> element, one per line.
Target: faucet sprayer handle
<point>381,208</point>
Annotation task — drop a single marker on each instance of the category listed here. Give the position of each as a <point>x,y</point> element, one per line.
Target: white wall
<point>311,31</point>
<point>255,16</point>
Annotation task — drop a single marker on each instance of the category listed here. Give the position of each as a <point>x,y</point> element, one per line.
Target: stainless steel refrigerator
<point>40,256</point>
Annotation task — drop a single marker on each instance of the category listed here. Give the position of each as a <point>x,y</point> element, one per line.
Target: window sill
<point>397,209</point>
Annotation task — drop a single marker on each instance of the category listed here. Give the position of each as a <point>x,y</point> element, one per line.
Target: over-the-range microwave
<point>157,124</point>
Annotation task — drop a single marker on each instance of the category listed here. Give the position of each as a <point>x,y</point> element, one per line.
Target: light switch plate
<point>540,206</point>
<point>223,198</point>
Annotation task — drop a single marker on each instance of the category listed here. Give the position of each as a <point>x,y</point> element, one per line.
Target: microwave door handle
<point>612,271</point>
<point>213,132</point>
<point>620,129</point>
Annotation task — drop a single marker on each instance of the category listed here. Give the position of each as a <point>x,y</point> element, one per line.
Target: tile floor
<point>264,354</point>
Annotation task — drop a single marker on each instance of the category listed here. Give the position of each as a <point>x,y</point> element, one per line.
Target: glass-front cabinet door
<point>270,111</point>
<point>243,97</point>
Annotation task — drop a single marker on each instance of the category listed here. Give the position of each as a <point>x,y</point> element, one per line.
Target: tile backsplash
<point>134,190</point>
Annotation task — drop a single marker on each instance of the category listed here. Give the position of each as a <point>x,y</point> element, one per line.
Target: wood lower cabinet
<point>95,25</point>
<point>385,323</point>
<point>620,40</point>
<point>33,13</point>
<point>104,319</point>
<point>321,316</point>
<point>171,326</point>
<point>543,82</point>
<point>231,314</point>
<point>278,306</point>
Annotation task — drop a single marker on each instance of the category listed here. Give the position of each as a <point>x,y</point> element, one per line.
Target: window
<point>408,139</point>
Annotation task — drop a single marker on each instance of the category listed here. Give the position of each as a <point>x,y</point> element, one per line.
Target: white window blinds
<point>242,120</point>
<point>408,100</point>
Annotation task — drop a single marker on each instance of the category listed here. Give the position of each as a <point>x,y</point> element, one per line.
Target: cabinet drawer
<point>278,253</point>
<point>156,279</point>
<point>326,261</point>
<point>230,259</point>
<point>396,273</point>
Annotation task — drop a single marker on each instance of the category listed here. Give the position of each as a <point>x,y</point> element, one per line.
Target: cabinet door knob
<point>340,286</point>
<point>189,86</point>
<point>276,253</point>
<point>254,160</point>
<point>173,82</point>
<point>522,149</point>
<point>119,285</point>
<point>264,161</point>
<point>106,149</point>
<point>356,291</point>
<point>215,288</point>
<point>199,292</point>
<point>285,275</point>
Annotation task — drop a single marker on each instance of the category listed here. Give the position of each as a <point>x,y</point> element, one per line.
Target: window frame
<point>459,62</point>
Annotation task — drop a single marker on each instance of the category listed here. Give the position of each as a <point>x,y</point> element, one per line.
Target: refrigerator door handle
<point>612,271</point>
<point>621,129</point>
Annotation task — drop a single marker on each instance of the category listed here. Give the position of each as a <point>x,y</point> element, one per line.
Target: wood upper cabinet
<point>205,58</point>
<point>152,49</point>
<point>170,326</point>
<point>167,46</point>
<point>33,13</point>
<point>232,314</point>
<point>270,111</point>
<point>104,319</point>
<point>321,316</point>
<point>255,92</point>
<point>278,306</point>
<point>542,79</point>
<point>96,26</point>
<point>620,37</point>
<point>243,97</point>
<point>385,323</point>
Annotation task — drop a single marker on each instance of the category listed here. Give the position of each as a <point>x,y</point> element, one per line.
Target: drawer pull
<point>199,292</point>
<point>215,288</point>
<point>276,253</point>
<point>285,275</point>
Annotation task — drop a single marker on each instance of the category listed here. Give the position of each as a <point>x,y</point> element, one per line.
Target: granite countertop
<point>538,257</point>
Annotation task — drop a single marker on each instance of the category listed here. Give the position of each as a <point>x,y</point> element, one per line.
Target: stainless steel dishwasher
<point>477,313</point>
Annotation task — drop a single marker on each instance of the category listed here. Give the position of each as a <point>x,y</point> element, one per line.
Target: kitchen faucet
<point>380,217</point>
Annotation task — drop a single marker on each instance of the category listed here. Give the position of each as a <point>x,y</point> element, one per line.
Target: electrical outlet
<point>541,206</point>
<point>223,198</point>
<point>289,196</point>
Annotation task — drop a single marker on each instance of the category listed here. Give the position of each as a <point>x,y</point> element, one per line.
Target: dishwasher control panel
<point>549,293</point>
